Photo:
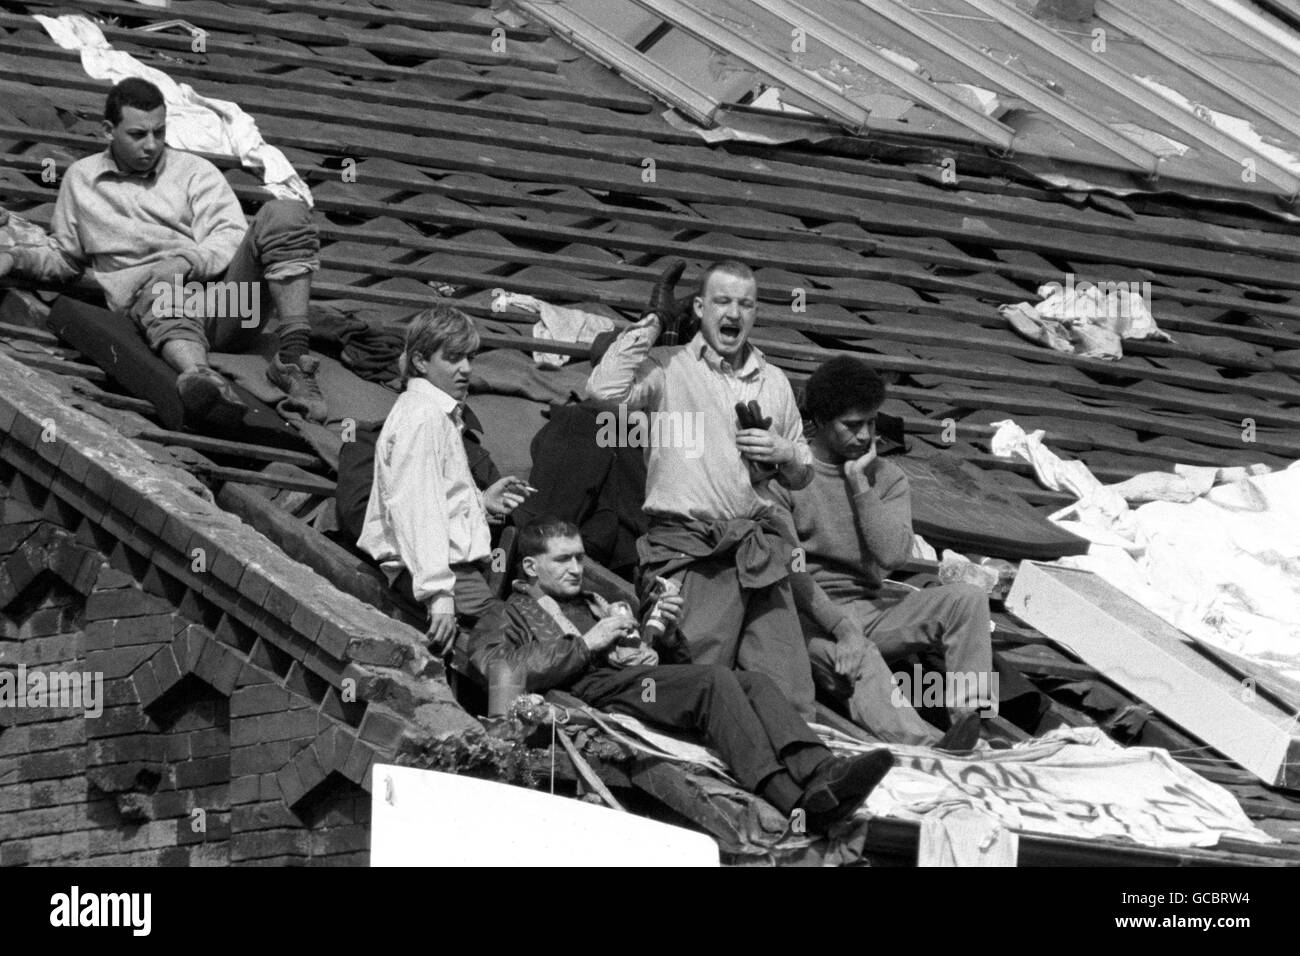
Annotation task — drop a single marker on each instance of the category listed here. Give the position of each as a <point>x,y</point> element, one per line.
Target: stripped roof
<point>1200,93</point>
<point>524,168</point>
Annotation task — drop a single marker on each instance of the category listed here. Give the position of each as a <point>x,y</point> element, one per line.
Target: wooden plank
<point>1146,656</point>
<point>49,363</point>
<point>28,334</point>
<point>1224,142</point>
<point>624,59</point>
<point>308,483</point>
<point>111,400</point>
<point>719,35</point>
<point>587,773</point>
<point>956,507</point>
<point>223,447</point>
<point>1226,436</point>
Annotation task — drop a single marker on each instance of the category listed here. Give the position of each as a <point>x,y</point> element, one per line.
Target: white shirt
<point>425,513</point>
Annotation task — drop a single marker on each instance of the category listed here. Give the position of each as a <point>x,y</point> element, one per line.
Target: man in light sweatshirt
<point>854,523</point>
<point>153,223</point>
<point>712,528</point>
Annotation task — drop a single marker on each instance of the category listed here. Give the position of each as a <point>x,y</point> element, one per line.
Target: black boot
<point>840,786</point>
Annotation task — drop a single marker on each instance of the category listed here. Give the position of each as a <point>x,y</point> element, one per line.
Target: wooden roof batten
<point>1248,27</point>
<point>1126,15</point>
<point>1149,101</point>
<point>1061,110</point>
<point>630,63</point>
<point>824,31</point>
<point>710,31</point>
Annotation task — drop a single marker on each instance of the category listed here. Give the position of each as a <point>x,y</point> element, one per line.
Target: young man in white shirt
<point>426,518</point>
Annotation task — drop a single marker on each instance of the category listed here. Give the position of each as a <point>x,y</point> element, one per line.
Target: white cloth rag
<point>961,835</point>
<point>1085,319</point>
<point>557,324</point>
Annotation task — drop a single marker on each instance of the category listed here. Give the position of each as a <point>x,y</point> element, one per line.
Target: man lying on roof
<point>426,521</point>
<point>854,523</point>
<point>146,219</point>
<point>711,518</point>
<point>562,636</point>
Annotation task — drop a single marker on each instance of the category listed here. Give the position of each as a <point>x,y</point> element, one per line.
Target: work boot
<point>208,398</point>
<point>298,381</point>
<point>840,786</point>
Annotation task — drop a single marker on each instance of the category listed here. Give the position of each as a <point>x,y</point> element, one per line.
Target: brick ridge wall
<point>166,518</point>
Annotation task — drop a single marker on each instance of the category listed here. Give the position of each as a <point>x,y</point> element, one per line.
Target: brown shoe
<point>298,381</point>
<point>208,398</point>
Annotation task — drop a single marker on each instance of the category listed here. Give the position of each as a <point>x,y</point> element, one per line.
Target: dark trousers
<point>741,714</point>
<point>281,241</point>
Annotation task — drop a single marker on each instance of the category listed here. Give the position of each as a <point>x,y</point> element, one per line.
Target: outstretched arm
<point>626,373</point>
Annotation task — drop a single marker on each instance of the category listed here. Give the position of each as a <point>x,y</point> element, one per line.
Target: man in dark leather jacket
<point>561,636</point>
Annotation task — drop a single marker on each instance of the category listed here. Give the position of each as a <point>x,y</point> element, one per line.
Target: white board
<point>1158,664</point>
<point>428,818</point>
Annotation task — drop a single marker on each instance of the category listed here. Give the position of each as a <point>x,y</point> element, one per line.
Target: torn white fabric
<point>958,834</point>
<point>1074,782</point>
<point>923,550</point>
<point>194,123</point>
<point>1071,782</point>
<point>1102,514</point>
<point>16,231</point>
<point>558,324</point>
<point>1222,565</point>
<point>1086,318</point>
